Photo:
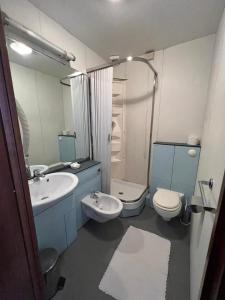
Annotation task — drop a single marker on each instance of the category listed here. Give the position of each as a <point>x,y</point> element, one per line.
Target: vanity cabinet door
<point>185,170</point>
<point>56,226</point>
<point>71,226</point>
<point>89,181</point>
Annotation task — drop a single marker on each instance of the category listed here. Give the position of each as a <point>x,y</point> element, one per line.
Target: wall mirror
<point>44,104</point>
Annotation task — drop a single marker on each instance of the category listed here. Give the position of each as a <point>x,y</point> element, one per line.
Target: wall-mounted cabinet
<point>174,167</point>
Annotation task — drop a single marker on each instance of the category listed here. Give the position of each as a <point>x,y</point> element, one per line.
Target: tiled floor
<point>85,262</point>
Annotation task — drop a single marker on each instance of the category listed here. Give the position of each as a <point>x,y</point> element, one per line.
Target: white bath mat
<point>139,267</point>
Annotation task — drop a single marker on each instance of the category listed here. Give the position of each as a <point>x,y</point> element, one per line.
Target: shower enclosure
<point>132,98</point>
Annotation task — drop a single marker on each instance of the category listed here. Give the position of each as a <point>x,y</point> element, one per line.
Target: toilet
<point>167,203</point>
<point>101,207</point>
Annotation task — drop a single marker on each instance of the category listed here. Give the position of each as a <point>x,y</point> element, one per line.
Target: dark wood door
<point>20,274</point>
<point>213,285</point>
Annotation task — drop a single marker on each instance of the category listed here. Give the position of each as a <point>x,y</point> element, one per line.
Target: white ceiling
<point>131,27</point>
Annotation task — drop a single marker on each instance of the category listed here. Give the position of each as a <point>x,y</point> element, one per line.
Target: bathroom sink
<point>50,189</point>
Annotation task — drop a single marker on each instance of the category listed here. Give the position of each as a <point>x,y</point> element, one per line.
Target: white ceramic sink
<point>49,190</point>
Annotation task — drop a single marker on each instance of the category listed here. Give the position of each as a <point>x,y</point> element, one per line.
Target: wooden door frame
<point>15,157</point>
<point>213,286</point>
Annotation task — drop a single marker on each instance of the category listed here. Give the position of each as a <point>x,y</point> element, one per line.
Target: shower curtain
<point>81,116</point>
<point>101,120</point>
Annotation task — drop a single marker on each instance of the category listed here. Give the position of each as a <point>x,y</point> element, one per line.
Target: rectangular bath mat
<point>138,269</point>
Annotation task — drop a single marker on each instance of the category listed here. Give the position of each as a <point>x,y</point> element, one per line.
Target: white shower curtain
<point>101,119</point>
<point>81,116</point>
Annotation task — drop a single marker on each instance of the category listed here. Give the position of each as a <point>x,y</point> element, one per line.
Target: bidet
<point>101,207</point>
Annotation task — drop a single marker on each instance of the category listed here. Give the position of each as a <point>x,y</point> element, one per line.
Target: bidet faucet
<point>94,195</point>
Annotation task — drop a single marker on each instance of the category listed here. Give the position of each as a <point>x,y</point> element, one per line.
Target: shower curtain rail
<point>123,60</point>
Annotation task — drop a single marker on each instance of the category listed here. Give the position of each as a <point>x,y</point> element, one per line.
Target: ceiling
<point>131,27</point>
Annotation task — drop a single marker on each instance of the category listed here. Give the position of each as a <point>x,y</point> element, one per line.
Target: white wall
<point>212,160</point>
<point>30,16</point>
<point>68,108</point>
<point>184,72</point>
<point>41,97</point>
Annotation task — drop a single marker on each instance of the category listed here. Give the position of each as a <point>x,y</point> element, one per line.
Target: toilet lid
<point>167,199</point>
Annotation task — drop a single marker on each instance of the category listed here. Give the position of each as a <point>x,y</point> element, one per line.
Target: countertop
<point>84,166</point>
<point>176,144</point>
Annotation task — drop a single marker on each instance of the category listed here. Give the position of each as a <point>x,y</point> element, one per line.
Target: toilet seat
<point>167,199</point>
<point>166,208</point>
<point>167,203</point>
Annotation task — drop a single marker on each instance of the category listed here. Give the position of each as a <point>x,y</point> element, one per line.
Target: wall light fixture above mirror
<point>21,48</point>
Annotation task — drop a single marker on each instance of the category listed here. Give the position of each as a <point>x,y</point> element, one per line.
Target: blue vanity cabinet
<point>89,181</point>
<point>173,168</point>
<point>185,170</point>
<point>56,226</point>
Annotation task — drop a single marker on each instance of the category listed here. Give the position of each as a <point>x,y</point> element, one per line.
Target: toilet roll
<point>192,152</point>
<point>193,140</point>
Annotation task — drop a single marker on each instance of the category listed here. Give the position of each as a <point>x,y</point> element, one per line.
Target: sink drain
<point>43,198</point>
<point>120,193</point>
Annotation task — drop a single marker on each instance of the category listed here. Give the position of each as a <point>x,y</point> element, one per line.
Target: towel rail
<point>199,204</point>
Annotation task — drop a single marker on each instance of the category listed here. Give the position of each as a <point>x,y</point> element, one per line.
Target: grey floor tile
<point>85,262</point>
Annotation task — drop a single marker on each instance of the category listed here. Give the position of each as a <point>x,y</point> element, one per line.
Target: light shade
<point>21,48</point>
<point>129,58</point>
<point>114,1</point>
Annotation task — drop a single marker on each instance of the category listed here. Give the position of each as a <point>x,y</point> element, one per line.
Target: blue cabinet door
<point>71,226</point>
<point>162,168</point>
<point>185,171</point>
<point>56,226</point>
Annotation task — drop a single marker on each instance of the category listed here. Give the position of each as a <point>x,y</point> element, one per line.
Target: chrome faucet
<point>38,175</point>
<point>27,165</point>
<point>28,172</point>
<point>94,195</point>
